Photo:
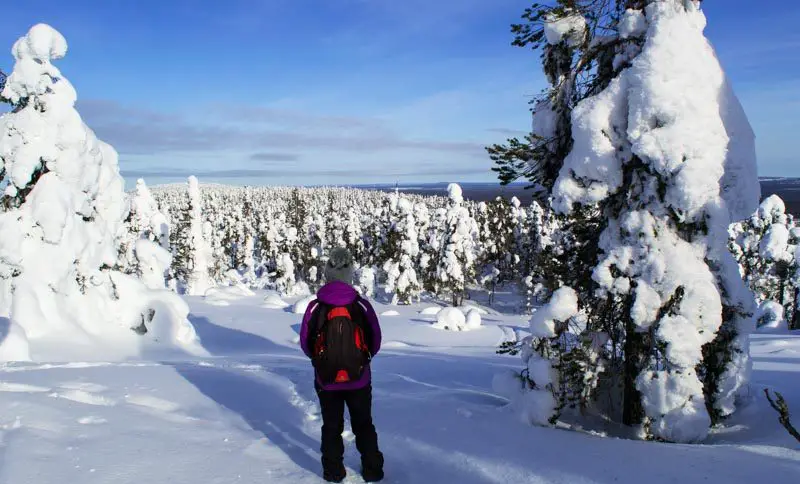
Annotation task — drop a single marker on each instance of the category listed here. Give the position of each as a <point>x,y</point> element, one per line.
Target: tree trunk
<point>795,322</point>
<point>632,410</point>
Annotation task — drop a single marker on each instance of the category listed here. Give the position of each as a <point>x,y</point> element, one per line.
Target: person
<point>342,367</point>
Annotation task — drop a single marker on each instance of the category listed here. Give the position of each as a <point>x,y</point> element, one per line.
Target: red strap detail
<point>360,340</point>
<point>342,377</point>
<point>336,312</point>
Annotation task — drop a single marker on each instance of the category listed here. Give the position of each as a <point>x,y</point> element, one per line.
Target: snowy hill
<point>248,413</point>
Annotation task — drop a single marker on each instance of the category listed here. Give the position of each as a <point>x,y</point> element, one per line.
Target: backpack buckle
<point>337,312</point>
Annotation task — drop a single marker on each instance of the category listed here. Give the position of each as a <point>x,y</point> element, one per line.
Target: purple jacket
<point>338,293</point>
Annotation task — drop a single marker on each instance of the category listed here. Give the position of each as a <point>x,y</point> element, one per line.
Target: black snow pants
<point>359,403</point>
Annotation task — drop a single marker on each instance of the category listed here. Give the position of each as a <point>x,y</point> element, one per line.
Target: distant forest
<point>786,188</point>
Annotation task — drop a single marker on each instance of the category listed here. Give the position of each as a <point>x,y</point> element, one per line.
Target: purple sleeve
<point>372,319</point>
<point>304,328</point>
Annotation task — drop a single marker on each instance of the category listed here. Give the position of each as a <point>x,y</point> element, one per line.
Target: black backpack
<point>340,346</point>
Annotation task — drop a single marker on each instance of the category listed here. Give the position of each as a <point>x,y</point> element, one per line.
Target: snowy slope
<point>248,414</point>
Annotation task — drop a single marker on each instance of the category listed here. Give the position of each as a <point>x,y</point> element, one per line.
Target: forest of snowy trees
<point>405,245</point>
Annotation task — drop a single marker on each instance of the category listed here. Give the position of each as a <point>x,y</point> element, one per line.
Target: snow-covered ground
<point>248,413</point>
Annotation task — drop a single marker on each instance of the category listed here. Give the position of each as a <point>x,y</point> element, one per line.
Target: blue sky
<point>351,91</point>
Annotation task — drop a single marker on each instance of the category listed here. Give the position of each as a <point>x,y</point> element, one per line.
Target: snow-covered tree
<point>192,250</point>
<point>456,266</point>
<point>401,275</point>
<point>662,164</point>
<point>497,227</point>
<point>150,261</point>
<point>764,246</point>
<point>62,220</point>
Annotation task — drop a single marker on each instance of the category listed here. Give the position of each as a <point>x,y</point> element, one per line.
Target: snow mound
<point>273,301</point>
<point>431,311</point>
<point>221,296</point>
<point>390,312</point>
<point>473,306</point>
<point>771,318</point>
<point>301,305</point>
<point>473,319</point>
<point>452,319</point>
<point>508,384</point>
<point>394,344</point>
<point>13,342</point>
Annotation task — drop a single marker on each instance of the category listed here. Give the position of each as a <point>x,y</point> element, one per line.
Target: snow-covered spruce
<point>659,149</point>
<point>456,266</point>
<point>190,266</point>
<point>403,250</point>
<point>62,221</point>
<point>144,249</point>
<point>646,167</point>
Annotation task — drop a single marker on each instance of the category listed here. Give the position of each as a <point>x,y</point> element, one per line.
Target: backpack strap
<point>314,323</point>
<point>360,316</point>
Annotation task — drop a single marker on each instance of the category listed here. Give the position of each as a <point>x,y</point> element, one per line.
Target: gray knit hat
<point>339,266</point>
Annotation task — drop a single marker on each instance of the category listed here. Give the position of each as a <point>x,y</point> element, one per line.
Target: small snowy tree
<point>764,246</point>
<point>64,208</point>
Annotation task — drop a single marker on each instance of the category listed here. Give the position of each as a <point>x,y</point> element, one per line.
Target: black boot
<point>333,471</point>
<point>372,468</point>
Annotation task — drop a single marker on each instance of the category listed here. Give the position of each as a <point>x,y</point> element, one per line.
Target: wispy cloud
<point>141,131</point>
<point>508,132</point>
<point>274,157</point>
<point>283,173</point>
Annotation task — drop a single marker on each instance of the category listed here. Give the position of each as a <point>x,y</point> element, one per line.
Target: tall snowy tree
<point>192,250</point>
<point>63,213</point>
<point>629,138</point>
<point>401,275</point>
<point>456,267</point>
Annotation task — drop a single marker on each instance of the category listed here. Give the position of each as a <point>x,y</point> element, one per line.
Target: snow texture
<point>771,318</point>
<point>273,301</point>
<point>250,414</point>
<point>562,306</point>
<point>632,24</point>
<point>570,28</point>
<point>300,306</point>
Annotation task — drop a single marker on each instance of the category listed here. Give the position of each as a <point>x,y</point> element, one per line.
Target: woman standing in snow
<point>341,334</point>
